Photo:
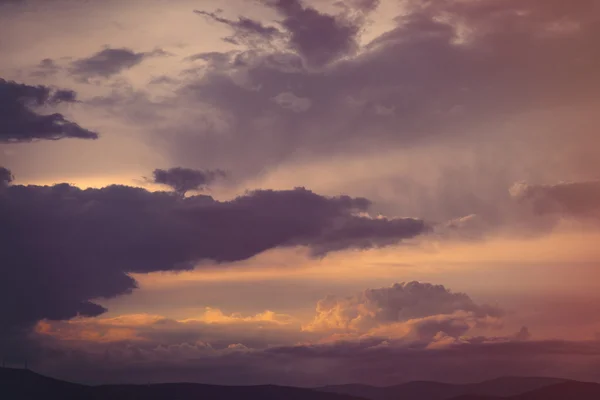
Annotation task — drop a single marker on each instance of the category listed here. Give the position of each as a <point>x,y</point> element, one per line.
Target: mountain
<point>569,390</point>
<point>185,391</point>
<point>419,390</point>
<point>24,384</point>
<point>20,384</point>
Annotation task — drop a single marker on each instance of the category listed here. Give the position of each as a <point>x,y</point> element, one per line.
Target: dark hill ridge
<point>185,391</point>
<point>19,384</point>
<point>419,390</point>
<point>568,390</point>
<point>17,377</point>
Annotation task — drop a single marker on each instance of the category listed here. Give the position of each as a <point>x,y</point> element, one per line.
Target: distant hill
<point>419,390</point>
<point>569,390</point>
<point>19,384</point>
<point>185,391</point>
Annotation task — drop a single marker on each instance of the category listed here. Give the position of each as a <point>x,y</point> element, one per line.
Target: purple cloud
<point>20,121</point>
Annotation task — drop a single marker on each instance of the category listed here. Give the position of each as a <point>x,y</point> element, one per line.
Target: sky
<point>300,192</point>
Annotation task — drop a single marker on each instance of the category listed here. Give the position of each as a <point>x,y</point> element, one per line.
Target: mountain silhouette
<point>21,384</point>
<point>421,390</point>
<point>569,390</point>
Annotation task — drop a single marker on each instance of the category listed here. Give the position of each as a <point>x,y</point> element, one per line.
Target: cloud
<point>392,94</point>
<point>364,5</point>
<point>575,199</point>
<point>319,38</point>
<point>109,62</point>
<point>417,331</point>
<point>216,316</point>
<point>290,101</point>
<point>210,325</point>
<point>416,314</point>
<point>63,246</point>
<point>371,361</point>
<point>413,309</point>
<point>183,180</point>
<point>46,67</point>
<point>77,332</point>
<point>6,177</point>
<point>20,121</point>
<point>213,57</point>
<point>245,30</point>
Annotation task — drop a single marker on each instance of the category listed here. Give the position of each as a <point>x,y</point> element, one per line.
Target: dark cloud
<point>183,180</point>
<point>6,177</point>
<point>245,30</point>
<point>20,121</point>
<point>319,38</point>
<point>575,199</point>
<point>365,5</point>
<point>109,62</point>
<point>62,246</point>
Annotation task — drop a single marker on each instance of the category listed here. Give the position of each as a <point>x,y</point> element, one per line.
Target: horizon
<point>466,383</point>
<point>300,192</point>
<point>31,385</point>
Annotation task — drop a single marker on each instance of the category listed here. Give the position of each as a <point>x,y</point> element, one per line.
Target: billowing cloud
<point>413,309</point>
<point>416,331</point>
<point>109,62</point>
<point>20,120</point>
<point>182,180</point>
<point>419,313</point>
<point>63,246</point>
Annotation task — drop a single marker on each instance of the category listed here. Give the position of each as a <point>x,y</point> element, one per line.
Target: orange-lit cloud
<point>86,332</point>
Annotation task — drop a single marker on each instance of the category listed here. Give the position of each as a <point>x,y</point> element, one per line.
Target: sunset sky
<point>300,192</point>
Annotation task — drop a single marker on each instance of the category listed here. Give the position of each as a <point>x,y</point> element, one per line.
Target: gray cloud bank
<point>374,361</point>
<point>483,60</point>
<point>474,96</point>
